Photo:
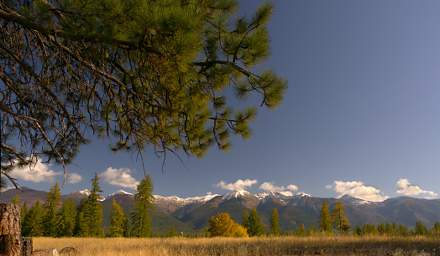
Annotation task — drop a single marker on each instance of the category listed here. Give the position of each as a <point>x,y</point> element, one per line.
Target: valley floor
<point>376,246</point>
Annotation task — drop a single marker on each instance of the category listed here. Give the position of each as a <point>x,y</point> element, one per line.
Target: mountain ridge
<point>188,214</point>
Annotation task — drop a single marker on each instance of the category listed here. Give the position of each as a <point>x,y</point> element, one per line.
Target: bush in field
<point>223,225</point>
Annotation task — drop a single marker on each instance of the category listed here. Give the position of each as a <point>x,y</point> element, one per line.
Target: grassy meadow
<point>279,246</point>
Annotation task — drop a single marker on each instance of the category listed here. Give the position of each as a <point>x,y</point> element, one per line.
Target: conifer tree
<point>140,219</point>
<point>16,200</point>
<point>23,212</point>
<point>23,208</point>
<point>254,225</point>
<point>91,216</point>
<point>51,207</point>
<point>67,218</point>
<point>33,221</point>
<point>118,221</point>
<point>142,72</point>
<point>275,223</point>
<point>435,231</point>
<point>301,230</point>
<point>420,229</point>
<point>245,218</point>
<point>340,220</point>
<point>325,221</point>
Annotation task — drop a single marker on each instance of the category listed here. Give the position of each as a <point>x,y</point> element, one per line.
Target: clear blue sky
<point>363,104</point>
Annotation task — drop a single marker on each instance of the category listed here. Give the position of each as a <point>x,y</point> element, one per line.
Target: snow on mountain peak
<point>121,192</point>
<point>236,194</point>
<point>85,192</point>
<point>187,200</point>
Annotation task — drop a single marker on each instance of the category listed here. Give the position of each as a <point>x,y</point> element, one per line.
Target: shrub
<point>223,225</point>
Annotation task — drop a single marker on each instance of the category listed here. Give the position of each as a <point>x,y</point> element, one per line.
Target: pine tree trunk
<point>10,240</point>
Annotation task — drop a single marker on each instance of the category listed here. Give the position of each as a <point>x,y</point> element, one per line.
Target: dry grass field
<point>281,246</point>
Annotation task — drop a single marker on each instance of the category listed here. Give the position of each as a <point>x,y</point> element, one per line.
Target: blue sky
<point>362,108</point>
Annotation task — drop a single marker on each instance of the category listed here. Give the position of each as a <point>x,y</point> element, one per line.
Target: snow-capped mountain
<point>121,192</point>
<point>294,209</point>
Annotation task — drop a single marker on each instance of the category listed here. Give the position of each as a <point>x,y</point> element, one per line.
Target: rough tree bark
<point>10,240</point>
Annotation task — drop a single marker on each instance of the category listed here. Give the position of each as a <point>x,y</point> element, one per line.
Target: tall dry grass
<point>244,246</point>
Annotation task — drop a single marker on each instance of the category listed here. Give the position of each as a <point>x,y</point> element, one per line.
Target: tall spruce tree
<point>142,72</point>
<point>33,221</point>
<point>67,218</point>
<point>420,229</point>
<point>254,225</point>
<point>340,220</point>
<point>275,228</point>
<point>141,217</point>
<point>435,231</point>
<point>325,221</point>
<point>51,208</point>
<point>118,221</point>
<point>91,214</point>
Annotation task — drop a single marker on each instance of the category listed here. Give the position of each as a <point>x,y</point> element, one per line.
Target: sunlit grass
<point>238,246</point>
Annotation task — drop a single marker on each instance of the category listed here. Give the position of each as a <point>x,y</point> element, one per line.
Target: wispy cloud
<point>73,178</point>
<point>404,187</point>
<point>120,177</point>
<point>36,172</point>
<point>270,187</point>
<point>238,185</point>
<point>357,189</point>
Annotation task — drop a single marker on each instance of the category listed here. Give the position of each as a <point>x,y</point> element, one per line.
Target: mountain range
<point>192,213</point>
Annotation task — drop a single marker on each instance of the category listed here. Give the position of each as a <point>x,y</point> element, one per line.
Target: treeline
<point>63,219</point>
<point>331,222</point>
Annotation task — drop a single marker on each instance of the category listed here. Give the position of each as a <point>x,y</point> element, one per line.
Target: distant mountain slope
<point>176,214</point>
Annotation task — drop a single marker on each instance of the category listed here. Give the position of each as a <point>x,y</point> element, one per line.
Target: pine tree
<point>275,223</point>
<point>16,200</point>
<point>51,207</point>
<point>184,57</point>
<point>140,219</point>
<point>90,218</point>
<point>325,221</point>
<point>301,230</point>
<point>33,221</point>
<point>254,225</point>
<point>118,221</point>
<point>420,229</point>
<point>23,213</point>
<point>435,231</point>
<point>340,220</point>
<point>23,208</point>
<point>67,218</point>
<point>245,218</point>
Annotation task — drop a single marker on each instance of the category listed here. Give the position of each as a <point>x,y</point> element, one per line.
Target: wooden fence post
<point>10,231</point>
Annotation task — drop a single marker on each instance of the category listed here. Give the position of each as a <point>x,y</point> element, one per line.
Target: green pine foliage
<point>51,208</point>
<point>67,218</point>
<point>140,219</point>
<point>254,226</point>
<point>33,221</point>
<point>142,72</point>
<point>340,221</point>
<point>435,231</point>
<point>275,228</point>
<point>90,218</point>
<point>118,221</point>
<point>325,221</point>
<point>420,229</point>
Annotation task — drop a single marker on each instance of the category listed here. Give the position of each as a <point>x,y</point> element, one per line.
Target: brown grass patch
<point>279,246</point>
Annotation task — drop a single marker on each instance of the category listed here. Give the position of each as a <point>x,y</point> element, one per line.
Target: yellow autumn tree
<point>223,225</point>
